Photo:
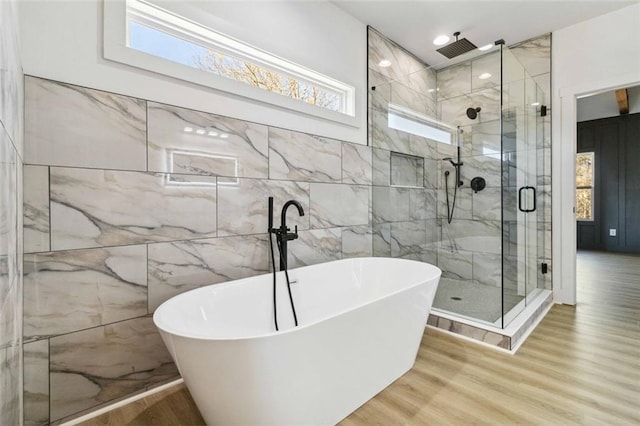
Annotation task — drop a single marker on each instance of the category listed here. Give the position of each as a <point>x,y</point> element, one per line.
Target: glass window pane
<point>584,203</point>
<point>584,169</point>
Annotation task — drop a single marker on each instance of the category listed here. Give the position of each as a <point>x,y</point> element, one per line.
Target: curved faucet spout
<point>283,215</point>
<point>283,233</point>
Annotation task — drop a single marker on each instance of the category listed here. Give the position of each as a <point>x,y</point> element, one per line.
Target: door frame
<point>563,184</point>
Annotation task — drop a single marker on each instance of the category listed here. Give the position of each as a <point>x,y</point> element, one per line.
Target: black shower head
<point>457,48</point>
<point>472,113</point>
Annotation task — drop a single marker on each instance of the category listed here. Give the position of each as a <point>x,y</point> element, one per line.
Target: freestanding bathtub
<point>360,325</point>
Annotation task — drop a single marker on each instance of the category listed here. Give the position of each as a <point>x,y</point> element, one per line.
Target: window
<point>584,185</point>
<point>409,121</point>
<point>161,41</point>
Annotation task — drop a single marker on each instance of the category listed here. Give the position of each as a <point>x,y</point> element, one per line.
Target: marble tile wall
<point>11,241</point>
<point>165,200</point>
<point>405,166</point>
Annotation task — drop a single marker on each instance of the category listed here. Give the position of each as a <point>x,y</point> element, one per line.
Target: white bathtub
<point>360,325</point>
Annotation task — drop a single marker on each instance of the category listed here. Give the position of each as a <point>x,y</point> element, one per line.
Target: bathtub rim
<point>161,325</point>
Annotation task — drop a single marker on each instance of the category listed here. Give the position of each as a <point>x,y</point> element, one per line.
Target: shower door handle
<point>520,197</point>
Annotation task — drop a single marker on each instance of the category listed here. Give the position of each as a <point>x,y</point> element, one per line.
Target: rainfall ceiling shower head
<point>457,48</point>
<point>472,113</point>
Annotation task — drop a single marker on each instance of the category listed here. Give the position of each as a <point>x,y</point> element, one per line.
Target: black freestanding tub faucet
<point>282,234</point>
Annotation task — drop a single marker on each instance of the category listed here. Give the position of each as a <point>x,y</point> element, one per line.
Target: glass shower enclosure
<point>459,170</point>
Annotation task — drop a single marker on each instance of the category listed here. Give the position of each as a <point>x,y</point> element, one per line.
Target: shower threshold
<point>521,320</point>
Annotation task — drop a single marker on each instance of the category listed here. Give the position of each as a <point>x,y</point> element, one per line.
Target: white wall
<point>62,40</point>
<point>600,54</point>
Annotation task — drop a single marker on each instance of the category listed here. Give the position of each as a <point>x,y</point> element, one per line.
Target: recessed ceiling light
<point>535,104</point>
<point>484,76</point>
<point>384,63</point>
<point>188,129</point>
<point>200,131</point>
<point>431,90</point>
<point>486,47</point>
<point>440,40</point>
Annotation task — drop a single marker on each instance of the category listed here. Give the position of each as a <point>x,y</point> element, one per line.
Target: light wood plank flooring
<point>580,366</point>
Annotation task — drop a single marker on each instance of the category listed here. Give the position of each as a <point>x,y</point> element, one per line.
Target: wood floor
<point>580,366</point>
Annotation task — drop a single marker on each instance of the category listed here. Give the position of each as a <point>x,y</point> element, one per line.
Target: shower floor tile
<point>469,299</point>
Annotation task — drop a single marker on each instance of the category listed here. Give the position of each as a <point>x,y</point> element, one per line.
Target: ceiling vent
<point>457,48</point>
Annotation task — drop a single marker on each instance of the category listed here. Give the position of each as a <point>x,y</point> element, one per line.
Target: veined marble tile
<point>357,241</point>
<point>315,246</point>
<point>93,208</point>
<point>381,167</point>
<point>334,205</point>
<point>463,207</point>
<point>8,196</point>
<point>72,290</point>
<point>475,235</point>
<point>485,138</point>
<point>68,125</point>
<point>356,164</point>
<point>424,147</point>
<point>454,110</point>
<point>422,204</point>
<point>100,364</point>
<point>487,166</point>
<point>424,81</point>
<point>11,315</point>
<point>299,156</point>
<point>390,204</point>
<point>455,264</point>
<point>382,239</point>
<point>543,164</point>
<point>475,333</point>
<point>419,102</point>
<point>431,171</point>
<point>454,81</point>
<point>488,64</point>
<point>181,266</point>
<point>192,142</point>
<point>36,383</point>
<point>243,205</point>
<point>487,268</point>
<point>543,205</point>
<point>379,91</point>
<point>408,239</point>
<point>385,137</point>
<point>10,383</point>
<point>402,63</point>
<point>534,54</point>
<point>487,204</point>
<point>36,209</point>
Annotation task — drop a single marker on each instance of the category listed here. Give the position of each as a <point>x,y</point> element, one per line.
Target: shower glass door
<point>521,136</point>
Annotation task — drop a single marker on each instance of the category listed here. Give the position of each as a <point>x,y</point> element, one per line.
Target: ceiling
<point>603,105</point>
<point>414,24</point>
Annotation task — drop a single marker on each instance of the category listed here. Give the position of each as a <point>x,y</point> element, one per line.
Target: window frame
<point>115,48</point>
<point>590,187</point>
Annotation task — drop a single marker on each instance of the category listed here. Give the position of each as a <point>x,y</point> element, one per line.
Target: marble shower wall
<point>476,234</point>
<point>11,160</point>
<point>405,166</point>
<point>129,202</point>
<point>409,197</point>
